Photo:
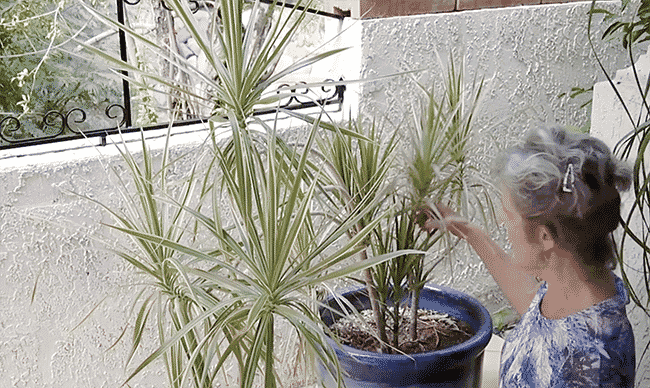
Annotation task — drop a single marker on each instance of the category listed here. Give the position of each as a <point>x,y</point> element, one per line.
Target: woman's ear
<point>545,238</point>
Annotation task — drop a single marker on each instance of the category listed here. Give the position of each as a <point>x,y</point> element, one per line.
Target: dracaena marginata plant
<point>235,252</point>
<point>430,165</point>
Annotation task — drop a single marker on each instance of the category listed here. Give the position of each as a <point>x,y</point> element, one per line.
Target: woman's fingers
<point>430,225</point>
<point>443,210</point>
<point>459,226</point>
<point>441,217</point>
<point>445,219</point>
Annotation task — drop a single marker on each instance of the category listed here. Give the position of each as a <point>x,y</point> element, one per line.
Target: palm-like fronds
<point>438,170</point>
<point>436,167</point>
<point>232,310</point>
<point>440,136</point>
<point>282,248</point>
<point>220,291</point>
<point>357,170</point>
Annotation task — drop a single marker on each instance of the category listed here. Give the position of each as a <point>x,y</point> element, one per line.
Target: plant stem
<point>396,322</point>
<point>415,306</point>
<point>373,296</point>
<point>269,373</point>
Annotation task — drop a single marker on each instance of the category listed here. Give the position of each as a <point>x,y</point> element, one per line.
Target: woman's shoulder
<point>600,329</point>
<point>600,319</point>
<point>594,347</point>
<point>605,324</point>
<point>601,335</point>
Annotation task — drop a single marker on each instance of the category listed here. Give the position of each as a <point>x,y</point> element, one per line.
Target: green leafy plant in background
<point>236,250</point>
<point>437,169</point>
<point>37,73</point>
<point>633,29</point>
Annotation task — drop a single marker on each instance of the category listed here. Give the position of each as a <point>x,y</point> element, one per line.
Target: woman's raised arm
<point>518,286</point>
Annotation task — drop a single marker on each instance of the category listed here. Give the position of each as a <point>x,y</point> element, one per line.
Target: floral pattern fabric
<point>591,348</point>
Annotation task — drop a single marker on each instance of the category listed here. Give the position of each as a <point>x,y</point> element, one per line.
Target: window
<point>53,91</point>
<point>48,92</point>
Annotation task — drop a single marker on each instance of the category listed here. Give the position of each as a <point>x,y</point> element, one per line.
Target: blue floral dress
<point>591,348</point>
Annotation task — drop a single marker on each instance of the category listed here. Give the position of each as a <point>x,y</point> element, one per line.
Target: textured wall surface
<point>529,55</point>
<point>64,300</point>
<point>53,272</point>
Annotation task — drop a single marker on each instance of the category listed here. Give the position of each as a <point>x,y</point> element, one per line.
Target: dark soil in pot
<point>436,331</point>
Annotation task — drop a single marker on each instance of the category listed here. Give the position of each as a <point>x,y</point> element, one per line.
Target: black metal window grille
<point>58,125</point>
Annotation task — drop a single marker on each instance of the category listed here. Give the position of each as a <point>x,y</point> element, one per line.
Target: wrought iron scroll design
<point>56,123</point>
<point>333,94</point>
<point>301,8</point>
<point>194,4</point>
<point>57,126</point>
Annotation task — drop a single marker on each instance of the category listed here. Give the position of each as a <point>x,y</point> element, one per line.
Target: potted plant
<point>233,253</point>
<point>390,350</point>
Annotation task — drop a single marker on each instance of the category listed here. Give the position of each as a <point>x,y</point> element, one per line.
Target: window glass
<point>48,90</point>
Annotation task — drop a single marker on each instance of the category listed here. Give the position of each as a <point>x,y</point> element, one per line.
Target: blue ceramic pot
<point>457,366</point>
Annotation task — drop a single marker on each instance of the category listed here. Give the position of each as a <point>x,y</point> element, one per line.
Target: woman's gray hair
<point>569,182</point>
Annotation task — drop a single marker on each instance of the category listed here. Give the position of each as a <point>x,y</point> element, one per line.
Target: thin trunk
<point>415,306</point>
<point>373,296</point>
<point>269,374</point>
<point>396,323</point>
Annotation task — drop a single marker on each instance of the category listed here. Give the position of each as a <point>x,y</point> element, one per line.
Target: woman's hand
<point>442,217</point>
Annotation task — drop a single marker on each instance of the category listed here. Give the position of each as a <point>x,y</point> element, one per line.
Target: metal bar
<point>125,84</point>
<point>301,8</point>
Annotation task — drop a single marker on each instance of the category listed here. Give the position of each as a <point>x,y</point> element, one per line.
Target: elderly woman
<point>561,203</point>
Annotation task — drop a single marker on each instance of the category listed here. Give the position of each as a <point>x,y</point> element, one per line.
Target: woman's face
<point>525,253</point>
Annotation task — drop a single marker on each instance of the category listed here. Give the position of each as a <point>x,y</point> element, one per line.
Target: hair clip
<point>569,178</point>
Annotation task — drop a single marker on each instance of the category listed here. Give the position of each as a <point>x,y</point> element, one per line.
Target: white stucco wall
<point>47,247</point>
<point>47,236</point>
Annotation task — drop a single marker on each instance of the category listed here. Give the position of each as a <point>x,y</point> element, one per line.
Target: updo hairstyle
<point>570,183</point>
